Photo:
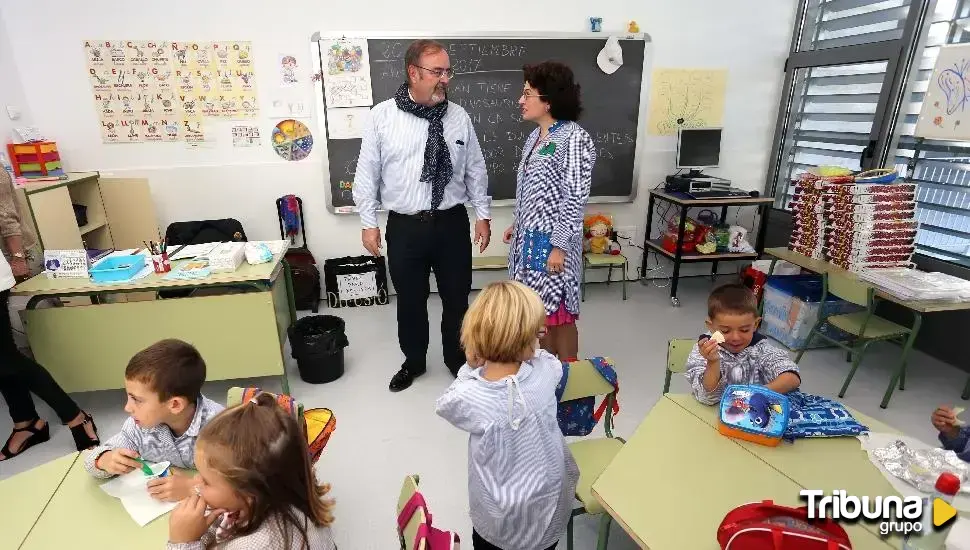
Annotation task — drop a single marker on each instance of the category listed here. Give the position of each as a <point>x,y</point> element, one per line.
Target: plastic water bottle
<point>929,538</point>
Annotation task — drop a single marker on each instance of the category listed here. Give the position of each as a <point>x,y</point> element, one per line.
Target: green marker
<point>145,468</point>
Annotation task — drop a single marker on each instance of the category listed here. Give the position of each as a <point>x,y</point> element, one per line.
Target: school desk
<point>24,497</point>
<point>81,516</point>
<point>817,463</point>
<point>918,307</point>
<point>240,334</point>
<point>676,478</point>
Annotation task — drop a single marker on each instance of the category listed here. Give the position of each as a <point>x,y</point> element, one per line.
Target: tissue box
<point>226,257</point>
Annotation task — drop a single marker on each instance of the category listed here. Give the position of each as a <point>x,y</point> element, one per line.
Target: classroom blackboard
<point>488,83</point>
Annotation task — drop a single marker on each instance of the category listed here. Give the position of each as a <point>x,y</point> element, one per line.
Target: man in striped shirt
<point>421,160</point>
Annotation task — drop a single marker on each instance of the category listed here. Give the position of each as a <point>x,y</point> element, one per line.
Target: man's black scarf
<point>437,167</point>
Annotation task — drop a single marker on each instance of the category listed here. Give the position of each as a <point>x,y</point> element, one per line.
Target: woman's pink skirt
<point>562,316</point>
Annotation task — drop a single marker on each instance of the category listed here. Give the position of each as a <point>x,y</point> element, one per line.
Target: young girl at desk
<point>255,476</point>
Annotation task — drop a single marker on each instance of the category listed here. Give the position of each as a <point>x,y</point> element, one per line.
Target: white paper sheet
<point>347,123</point>
<point>876,440</point>
<point>193,251</point>
<point>274,246</point>
<point>132,490</point>
<point>346,80</point>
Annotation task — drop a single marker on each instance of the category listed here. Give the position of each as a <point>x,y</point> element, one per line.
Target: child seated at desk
<point>953,436</point>
<point>255,476</point>
<point>744,357</point>
<point>164,384</point>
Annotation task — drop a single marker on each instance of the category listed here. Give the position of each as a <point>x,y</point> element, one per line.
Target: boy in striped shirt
<point>521,476</point>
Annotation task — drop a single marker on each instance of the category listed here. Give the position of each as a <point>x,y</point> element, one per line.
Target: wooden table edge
<point>67,472</point>
<point>617,518</point>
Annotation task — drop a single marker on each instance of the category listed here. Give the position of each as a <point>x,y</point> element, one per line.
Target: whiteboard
<point>946,106</point>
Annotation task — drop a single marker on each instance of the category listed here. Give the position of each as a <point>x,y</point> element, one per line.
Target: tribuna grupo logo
<point>894,514</point>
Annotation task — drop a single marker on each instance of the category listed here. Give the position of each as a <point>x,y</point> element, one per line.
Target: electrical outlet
<point>628,233</point>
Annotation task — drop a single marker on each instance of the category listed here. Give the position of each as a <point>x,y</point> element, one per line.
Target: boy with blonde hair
<point>734,353</point>
<point>521,476</point>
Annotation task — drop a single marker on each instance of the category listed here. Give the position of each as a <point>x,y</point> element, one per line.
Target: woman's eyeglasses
<point>530,93</point>
<point>438,73</point>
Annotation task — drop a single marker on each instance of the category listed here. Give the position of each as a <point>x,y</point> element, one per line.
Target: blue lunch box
<point>754,413</point>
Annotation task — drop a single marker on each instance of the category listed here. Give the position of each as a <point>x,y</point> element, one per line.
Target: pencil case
<point>753,413</point>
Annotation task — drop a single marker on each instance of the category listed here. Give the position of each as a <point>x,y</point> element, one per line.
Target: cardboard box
<point>791,309</point>
<point>226,257</point>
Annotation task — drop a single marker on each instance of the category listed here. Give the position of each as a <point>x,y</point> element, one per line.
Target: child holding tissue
<point>256,479</point>
<point>734,353</point>
<point>954,433</point>
<point>164,384</point>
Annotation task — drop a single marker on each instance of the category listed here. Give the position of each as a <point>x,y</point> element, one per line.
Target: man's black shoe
<point>403,379</point>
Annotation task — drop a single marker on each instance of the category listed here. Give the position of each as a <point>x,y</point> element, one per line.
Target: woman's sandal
<point>37,436</point>
<point>82,440</point>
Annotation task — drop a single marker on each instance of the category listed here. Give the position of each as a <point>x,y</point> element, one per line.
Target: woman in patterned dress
<point>554,177</point>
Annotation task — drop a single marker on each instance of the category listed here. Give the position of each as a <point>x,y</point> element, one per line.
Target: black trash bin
<point>317,343</point>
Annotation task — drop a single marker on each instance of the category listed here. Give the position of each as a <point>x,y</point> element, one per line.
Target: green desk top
<point>246,273</point>
<point>676,478</point>
<point>818,463</point>
<point>82,516</point>
<point>24,496</point>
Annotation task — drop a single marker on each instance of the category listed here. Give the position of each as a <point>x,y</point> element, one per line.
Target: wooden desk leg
<point>900,376</point>
<point>646,237</point>
<point>678,254</point>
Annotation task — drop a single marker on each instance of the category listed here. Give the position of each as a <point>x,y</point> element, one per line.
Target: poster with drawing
<point>346,80</point>
<point>686,98</point>
<point>288,69</point>
<point>158,91</point>
<point>347,123</point>
<point>945,113</point>
<point>246,136</point>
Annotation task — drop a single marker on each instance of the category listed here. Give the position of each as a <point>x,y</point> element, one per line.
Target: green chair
<point>410,531</point>
<point>864,325</point>
<point>592,455</point>
<point>604,261</point>
<point>677,352</point>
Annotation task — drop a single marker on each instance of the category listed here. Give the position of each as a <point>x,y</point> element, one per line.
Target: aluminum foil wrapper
<point>921,467</point>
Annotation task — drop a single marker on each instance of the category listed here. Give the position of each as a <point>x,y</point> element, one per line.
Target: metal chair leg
<point>966,390</point>
<point>856,361</point>
<point>626,268</point>
<point>603,539</point>
<point>609,275</point>
<point>569,533</point>
<point>848,356</point>
<point>898,376</point>
<point>669,374</point>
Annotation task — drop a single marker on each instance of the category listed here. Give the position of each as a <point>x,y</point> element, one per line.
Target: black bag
<point>205,231</point>
<point>356,281</point>
<point>303,267</point>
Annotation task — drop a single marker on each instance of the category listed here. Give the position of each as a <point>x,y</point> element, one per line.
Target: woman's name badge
<point>548,149</point>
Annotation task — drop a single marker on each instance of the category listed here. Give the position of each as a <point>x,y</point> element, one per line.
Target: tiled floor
<point>380,436</point>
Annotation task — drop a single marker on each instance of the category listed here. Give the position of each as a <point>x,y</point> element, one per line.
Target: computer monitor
<point>698,148</point>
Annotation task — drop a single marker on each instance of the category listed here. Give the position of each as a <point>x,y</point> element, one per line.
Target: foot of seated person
<point>21,433</point>
<point>176,486</point>
<point>88,426</point>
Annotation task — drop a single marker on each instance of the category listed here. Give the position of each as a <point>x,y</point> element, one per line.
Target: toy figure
<point>599,232</point>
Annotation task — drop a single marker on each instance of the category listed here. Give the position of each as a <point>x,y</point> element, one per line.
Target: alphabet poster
<point>156,91</point>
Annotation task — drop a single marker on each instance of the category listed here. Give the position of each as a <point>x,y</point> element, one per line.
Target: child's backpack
<point>317,424</point>
<point>421,535</point>
<point>754,413</point>
<point>577,417</point>
<point>766,526</point>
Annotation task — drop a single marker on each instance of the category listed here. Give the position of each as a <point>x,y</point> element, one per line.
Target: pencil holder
<point>161,263</point>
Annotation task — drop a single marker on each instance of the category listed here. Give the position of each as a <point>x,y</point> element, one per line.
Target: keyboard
<point>700,195</point>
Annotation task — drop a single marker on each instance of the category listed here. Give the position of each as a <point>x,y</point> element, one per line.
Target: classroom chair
<point>604,261</point>
<point>592,455</point>
<point>677,352</point>
<point>410,531</point>
<point>418,533</point>
<point>864,325</point>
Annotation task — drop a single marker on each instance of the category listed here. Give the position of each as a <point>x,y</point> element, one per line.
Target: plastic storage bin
<point>791,309</point>
<point>117,268</point>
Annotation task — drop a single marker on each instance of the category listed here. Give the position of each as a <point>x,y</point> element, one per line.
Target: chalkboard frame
<point>320,102</point>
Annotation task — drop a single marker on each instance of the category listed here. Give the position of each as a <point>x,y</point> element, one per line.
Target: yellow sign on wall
<point>686,98</point>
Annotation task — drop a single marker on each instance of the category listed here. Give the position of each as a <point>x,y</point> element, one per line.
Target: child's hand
<point>118,461</point>
<point>188,521</point>
<point>709,350</point>
<point>172,488</point>
<point>945,422</point>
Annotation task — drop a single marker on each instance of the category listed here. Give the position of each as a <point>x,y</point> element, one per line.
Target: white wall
<point>11,90</point>
<point>219,182</point>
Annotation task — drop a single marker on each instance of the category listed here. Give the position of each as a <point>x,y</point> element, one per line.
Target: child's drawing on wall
<point>288,71</point>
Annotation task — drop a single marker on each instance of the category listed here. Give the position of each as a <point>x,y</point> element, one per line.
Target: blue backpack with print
<point>578,417</point>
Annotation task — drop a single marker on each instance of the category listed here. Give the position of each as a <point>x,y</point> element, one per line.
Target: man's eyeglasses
<point>438,73</point>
